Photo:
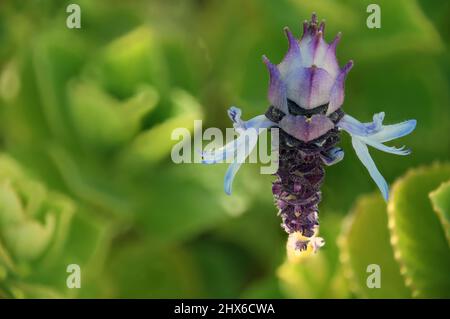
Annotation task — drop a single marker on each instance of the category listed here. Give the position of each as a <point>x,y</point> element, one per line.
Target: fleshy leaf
<point>365,241</point>
<point>130,61</point>
<point>417,236</point>
<point>120,120</point>
<point>154,144</point>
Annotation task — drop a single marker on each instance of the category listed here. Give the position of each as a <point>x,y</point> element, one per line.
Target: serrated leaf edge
<point>445,223</point>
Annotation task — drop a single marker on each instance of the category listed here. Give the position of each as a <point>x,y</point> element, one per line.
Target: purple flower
<point>306,92</point>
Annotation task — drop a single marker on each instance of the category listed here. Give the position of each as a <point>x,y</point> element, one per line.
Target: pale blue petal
<point>234,113</point>
<point>260,121</point>
<point>333,156</point>
<point>227,151</point>
<point>355,127</point>
<point>364,156</point>
<point>391,132</point>
<point>229,176</point>
<point>388,149</point>
<point>241,147</point>
<point>241,154</point>
<point>221,154</point>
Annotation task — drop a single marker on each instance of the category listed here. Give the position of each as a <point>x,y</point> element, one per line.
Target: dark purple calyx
<point>300,175</point>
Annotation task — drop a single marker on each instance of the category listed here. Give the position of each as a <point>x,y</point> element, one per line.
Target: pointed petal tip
<point>336,40</point>
<point>322,26</point>
<point>348,66</point>
<point>305,29</point>
<point>289,34</point>
<point>272,68</point>
<point>266,61</point>
<point>293,44</point>
<point>378,119</point>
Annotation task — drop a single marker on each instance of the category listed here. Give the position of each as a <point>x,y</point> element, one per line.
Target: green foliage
<point>34,224</point>
<point>417,235</point>
<point>408,241</point>
<point>365,241</point>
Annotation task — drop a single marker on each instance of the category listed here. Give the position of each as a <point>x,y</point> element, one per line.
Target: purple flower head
<point>309,77</point>
<point>306,92</point>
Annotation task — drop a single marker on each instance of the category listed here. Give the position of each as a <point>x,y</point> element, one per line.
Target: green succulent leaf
<point>34,226</point>
<point>154,144</point>
<point>130,61</point>
<point>56,56</point>
<point>103,121</point>
<point>417,235</point>
<point>365,241</point>
<point>28,217</point>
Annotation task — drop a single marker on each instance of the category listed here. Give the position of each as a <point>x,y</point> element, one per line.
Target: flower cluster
<point>306,92</point>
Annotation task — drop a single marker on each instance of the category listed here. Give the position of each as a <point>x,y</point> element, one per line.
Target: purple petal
<point>292,59</point>
<point>277,88</point>
<point>310,28</point>
<point>309,87</point>
<point>337,91</point>
<point>313,48</point>
<point>306,129</point>
<point>329,61</point>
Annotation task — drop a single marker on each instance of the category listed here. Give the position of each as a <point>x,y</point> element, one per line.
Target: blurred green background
<point>86,176</point>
